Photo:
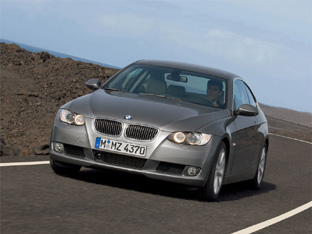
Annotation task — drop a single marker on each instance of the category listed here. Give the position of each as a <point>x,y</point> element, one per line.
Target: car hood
<point>165,114</point>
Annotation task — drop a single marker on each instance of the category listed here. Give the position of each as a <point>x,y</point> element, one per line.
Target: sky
<point>266,42</point>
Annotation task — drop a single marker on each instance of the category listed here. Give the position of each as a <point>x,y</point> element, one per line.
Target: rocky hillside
<point>35,85</point>
<point>291,116</point>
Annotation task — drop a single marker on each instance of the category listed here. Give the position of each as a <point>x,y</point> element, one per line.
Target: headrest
<point>176,90</point>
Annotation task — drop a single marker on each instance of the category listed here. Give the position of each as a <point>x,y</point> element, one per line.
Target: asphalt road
<point>36,200</point>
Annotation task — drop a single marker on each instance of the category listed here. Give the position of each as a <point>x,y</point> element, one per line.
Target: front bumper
<point>164,159</point>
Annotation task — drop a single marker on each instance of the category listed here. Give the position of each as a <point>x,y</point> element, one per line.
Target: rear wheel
<point>213,186</point>
<point>64,168</point>
<point>257,180</point>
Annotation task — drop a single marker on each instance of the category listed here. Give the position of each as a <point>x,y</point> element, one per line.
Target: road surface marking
<point>291,138</point>
<point>12,164</point>
<point>275,220</point>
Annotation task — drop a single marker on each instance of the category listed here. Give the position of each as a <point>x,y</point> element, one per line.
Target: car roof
<point>190,67</point>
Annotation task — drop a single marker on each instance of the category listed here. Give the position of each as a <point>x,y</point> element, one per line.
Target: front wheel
<point>213,186</point>
<point>257,180</point>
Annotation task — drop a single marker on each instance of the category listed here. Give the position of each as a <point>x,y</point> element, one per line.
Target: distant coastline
<point>56,54</point>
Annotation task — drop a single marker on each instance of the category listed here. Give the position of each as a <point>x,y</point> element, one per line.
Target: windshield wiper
<point>113,89</point>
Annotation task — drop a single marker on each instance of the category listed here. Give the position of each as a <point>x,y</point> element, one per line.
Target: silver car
<point>176,122</point>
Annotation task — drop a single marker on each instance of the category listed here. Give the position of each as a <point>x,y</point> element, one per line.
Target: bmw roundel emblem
<point>128,117</point>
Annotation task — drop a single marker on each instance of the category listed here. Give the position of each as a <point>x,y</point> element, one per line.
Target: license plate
<point>121,147</point>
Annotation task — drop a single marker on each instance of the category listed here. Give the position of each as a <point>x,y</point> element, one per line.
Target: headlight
<point>178,137</point>
<point>190,138</point>
<point>71,118</point>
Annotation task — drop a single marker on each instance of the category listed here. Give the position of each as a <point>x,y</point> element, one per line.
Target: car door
<point>246,134</point>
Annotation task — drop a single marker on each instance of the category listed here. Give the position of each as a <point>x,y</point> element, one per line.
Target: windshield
<point>172,83</point>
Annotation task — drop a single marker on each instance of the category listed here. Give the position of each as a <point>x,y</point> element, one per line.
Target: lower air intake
<point>170,168</point>
<point>120,160</point>
<point>73,150</point>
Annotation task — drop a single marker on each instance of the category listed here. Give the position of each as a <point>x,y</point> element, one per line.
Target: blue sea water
<point>56,54</point>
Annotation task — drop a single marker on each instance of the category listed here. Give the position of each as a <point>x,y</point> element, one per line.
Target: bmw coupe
<point>170,121</point>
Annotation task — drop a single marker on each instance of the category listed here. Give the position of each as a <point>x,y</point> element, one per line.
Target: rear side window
<point>251,99</point>
<point>243,95</point>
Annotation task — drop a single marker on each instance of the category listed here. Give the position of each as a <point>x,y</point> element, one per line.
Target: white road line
<point>275,220</point>
<point>291,138</point>
<point>12,164</point>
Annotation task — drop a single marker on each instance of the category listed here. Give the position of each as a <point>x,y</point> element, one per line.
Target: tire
<point>213,186</point>
<point>257,180</point>
<point>64,168</point>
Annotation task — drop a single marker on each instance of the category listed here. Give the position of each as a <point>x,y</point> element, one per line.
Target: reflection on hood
<point>165,114</point>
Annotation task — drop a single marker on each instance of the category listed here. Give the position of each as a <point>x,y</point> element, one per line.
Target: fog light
<point>192,171</point>
<point>58,147</point>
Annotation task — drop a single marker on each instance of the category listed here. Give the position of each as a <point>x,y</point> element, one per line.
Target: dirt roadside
<point>33,87</point>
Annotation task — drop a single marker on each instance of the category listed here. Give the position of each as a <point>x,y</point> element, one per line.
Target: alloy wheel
<point>219,172</point>
<point>261,166</point>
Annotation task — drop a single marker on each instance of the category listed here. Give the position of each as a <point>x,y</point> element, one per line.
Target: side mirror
<point>247,110</point>
<point>93,84</point>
